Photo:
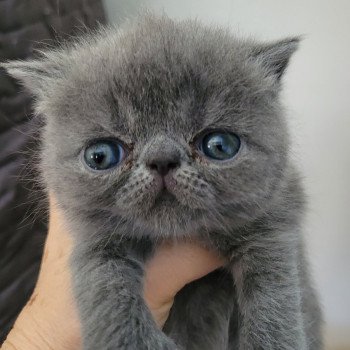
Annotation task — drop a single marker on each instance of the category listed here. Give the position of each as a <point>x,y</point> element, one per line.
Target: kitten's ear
<point>35,75</point>
<point>275,56</point>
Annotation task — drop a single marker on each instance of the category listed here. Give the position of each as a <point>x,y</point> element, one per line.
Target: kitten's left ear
<point>275,56</point>
<point>35,75</point>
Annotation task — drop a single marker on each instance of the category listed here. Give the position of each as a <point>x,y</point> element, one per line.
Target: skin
<point>50,319</point>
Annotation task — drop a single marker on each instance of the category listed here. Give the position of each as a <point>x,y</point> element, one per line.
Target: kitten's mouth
<point>164,197</point>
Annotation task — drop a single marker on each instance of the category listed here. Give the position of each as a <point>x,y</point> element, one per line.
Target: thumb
<point>172,267</point>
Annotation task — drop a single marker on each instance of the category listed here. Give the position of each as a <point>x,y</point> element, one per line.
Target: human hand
<point>170,269</point>
<point>50,319</point>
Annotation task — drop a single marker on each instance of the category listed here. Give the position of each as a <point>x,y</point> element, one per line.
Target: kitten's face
<point>149,105</point>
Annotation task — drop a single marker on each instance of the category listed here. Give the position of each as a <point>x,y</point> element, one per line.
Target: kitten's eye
<point>220,145</point>
<point>104,154</point>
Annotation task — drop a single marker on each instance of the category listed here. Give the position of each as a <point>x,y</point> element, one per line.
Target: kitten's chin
<point>165,199</point>
<point>166,215</point>
<point>168,218</point>
<point>171,228</point>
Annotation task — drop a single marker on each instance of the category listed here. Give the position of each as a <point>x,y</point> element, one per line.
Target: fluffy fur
<point>156,84</point>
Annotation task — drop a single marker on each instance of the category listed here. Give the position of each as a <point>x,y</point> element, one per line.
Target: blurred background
<point>317,96</point>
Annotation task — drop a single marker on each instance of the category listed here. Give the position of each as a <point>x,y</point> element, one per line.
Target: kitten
<point>165,129</point>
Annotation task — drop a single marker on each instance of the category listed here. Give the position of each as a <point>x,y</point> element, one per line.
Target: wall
<point>317,93</point>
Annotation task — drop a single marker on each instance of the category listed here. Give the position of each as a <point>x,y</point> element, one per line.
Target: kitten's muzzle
<point>163,157</point>
<point>163,170</point>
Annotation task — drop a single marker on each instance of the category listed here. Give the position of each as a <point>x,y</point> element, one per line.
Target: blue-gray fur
<point>156,84</point>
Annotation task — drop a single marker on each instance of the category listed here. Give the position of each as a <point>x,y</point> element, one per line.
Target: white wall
<point>317,93</point>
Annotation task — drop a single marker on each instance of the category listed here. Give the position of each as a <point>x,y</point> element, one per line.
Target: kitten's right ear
<point>35,75</point>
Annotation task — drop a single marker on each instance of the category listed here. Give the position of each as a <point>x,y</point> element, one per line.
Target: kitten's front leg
<point>269,296</point>
<point>108,289</point>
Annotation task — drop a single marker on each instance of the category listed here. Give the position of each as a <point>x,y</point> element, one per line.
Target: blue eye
<point>220,145</point>
<point>104,154</point>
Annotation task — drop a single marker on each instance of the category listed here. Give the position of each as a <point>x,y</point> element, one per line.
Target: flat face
<point>172,127</point>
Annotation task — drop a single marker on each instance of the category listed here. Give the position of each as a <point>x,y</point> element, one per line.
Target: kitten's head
<point>171,126</point>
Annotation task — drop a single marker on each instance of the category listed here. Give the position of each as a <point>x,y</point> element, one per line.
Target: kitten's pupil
<point>98,157</point>
<point>220,147</point>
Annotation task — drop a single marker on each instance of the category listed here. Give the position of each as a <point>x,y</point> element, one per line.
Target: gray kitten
<point>163,130</point>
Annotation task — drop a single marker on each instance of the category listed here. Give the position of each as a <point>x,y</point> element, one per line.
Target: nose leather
<point>163,165</point>
<point>162,155</point>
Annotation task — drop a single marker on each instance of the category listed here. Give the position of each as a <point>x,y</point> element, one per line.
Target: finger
<point>175,265</point>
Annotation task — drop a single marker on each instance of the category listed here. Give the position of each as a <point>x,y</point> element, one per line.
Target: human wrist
<point>27,334</point>
<point>34,330</point>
